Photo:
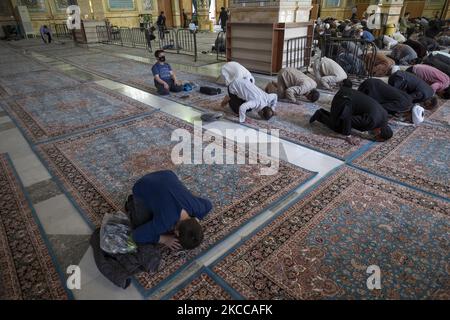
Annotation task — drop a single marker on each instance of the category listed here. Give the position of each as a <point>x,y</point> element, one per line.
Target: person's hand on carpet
<point>170,241</point>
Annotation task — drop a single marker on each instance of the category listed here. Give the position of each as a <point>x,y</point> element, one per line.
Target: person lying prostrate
<point>418,89</point>
<point>354,109</point>
<point>391,99</point>
<point>251,98</point>
<point>328,72</point>
<point>293,85</point>
<point>437,79</point>
<point>232,71</point>
<point>403,54</point>
<point>163,210</point>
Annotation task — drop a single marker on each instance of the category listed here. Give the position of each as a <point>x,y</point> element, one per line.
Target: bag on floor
<point>210,91</point>
<point>115,234</point>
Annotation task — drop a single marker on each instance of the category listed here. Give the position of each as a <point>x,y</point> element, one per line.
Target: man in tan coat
<point>382,65</point>
<point>293,84</point>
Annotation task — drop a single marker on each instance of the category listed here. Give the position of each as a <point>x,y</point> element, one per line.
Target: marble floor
<point>69,233</point>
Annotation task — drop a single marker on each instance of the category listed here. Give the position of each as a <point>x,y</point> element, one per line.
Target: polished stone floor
<point>67,230</point>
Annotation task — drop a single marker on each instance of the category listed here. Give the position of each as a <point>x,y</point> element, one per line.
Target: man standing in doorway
<point>223,17</point>
<point>161,23</point>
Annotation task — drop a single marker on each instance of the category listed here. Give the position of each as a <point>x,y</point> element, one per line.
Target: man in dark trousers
<point>223,17</point>
<point>393,100</point>
<point>161,23</point>
<point>418,89</point>
<point>162,210</point>
<point>164,77</point>
<point>353,109</point>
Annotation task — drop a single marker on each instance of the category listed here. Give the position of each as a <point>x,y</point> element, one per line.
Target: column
<point>203,14</point>
<point>391,10</point>
<point>176,12</point>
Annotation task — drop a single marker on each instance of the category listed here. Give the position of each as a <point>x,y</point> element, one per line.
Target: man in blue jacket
<point>163,210</point>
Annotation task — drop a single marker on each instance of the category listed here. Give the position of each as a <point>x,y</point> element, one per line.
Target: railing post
<point>177,41</point>
<point>195,46</point>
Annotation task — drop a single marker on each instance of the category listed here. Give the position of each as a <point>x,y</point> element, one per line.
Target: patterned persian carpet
<point>27,270</point>
<point>291,119</point>
<point>20,67</point>
<point>321,247</point>
<point>26,83</point>
<point>44,115</point>
<point>98,169</point>
<point>441,115</point>
<point>418,157</point>
<point>202,287</point>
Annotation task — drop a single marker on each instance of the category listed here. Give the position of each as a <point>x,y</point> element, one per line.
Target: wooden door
<point>415,8</point>
<point>166,6</point>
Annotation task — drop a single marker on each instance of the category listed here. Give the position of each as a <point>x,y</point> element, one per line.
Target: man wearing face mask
<point>165,78</point>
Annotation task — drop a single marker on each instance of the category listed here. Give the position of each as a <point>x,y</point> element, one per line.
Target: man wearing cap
<point>353,109</point>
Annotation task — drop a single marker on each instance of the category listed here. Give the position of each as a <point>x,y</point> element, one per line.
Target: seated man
<point>244,96</point>
<point>391,99</point>
<point>46,32</point>
<point>162,210</point>
<point>403,54</point>
<point>438,80</point>
<point>382,65</point>
<point>328,73</point>
<point>353,109</point>
<point>165,78</point>
<point>293,84</point>
<point>418,89</point>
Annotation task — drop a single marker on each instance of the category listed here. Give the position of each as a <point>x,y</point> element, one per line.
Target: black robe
<point>353,109</point>
<point>417,88</point>
<point>391,99</point>
<point>440,62</point>
<point>418,47</point>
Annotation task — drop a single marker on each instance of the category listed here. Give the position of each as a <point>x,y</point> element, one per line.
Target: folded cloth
<point>213,116</point>
<point>418,114</point>
<point>119,268</point>
<point>210,90</point>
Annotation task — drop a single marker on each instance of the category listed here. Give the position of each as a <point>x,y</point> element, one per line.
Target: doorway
<point>166,6</point>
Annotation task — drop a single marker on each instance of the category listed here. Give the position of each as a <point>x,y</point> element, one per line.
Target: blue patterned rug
<point>322,246</point>
<point>99,167</point>
<point>418,157</point>
<point>291,119</point>
<point>27,271</point>
<point>26,83</point>
<point>44,115</point>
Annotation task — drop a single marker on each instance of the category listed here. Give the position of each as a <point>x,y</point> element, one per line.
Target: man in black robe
<point>418,89</point>
<point>391,99</point>
<point>353,109</point>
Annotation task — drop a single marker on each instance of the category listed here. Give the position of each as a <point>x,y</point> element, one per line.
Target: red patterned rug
<point>322,246</point>
<point>27,270</point>
<point>98,169</point>
<point>202,287</point>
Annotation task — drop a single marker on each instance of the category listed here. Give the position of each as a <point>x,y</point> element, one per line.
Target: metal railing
<point>355,56</point>
<point>181,41</point>
<point>221,46</point>
<point>61,30</point>
<point>298,52</point>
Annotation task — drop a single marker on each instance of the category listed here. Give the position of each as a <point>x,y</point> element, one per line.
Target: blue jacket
<point>164,195</point>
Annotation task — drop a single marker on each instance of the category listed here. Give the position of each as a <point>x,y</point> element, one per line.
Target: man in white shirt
<point>244,96</point>
<point>328,72</point>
